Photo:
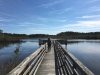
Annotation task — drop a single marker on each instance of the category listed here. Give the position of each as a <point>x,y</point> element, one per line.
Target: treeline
<point>8,37</point>
<point>11,37</point>
<point>41,36</point>
<point>78,35</point>
<point>62,35</point>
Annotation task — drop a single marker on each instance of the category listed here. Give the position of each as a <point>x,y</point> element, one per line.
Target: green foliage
<point>12,37</point>
<point>38,36</point>
<point>1,31</point>
<point>63,35</point>
<point>78,35</point>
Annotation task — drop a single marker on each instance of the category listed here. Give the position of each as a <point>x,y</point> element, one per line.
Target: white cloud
<point>5,19</point>
<point>46,5</point>
<point>81,26</point>
<point>61,11</point>
<point>93,9</point>
<point>62,20</point>
<point>54,20</point>
<point>7,15</point>
<point>29,24</point>
<point>92,1</point>
<point>64,10</point>
<point>90,16</point>
<point>43,19</point>
<point>89,23</point>
<point>95,23</point>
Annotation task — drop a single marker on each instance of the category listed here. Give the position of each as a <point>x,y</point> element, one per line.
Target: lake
<point>87,51</point>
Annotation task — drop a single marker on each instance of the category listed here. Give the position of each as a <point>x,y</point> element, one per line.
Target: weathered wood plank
<point>30,66</point>
<point>47,66</point>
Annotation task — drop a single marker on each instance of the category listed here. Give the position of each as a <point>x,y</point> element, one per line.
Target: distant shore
<point>10,40</point>
<point>9,37</point>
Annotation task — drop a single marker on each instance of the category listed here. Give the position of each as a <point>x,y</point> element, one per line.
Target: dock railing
<point>30,65</point>
<point>68,64</point>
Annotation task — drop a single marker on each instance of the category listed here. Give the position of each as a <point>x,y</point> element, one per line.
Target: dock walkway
<point>47,66</point>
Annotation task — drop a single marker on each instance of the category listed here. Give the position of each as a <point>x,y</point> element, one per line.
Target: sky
<point>49,16</point>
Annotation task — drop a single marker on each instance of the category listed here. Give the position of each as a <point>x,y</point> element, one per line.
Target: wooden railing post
<point>46,47</point>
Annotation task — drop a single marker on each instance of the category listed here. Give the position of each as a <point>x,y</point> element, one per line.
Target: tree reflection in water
<point>17,49</point>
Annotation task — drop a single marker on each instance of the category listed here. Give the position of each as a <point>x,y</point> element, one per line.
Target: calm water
<point>88,52</point>
<point>11,54</point>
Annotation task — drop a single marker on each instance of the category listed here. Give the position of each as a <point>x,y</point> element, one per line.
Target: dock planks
<point>47,66</point>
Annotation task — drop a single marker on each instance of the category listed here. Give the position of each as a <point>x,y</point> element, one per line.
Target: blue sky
<point>49,16</point>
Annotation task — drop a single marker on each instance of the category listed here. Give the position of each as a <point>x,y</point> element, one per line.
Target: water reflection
<point>6,44</point>
<point>11,54</point>
<point>17,49</point>
<point>3,44</point>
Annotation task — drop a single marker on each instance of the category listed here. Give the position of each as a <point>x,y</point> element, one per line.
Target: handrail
<point>74,66</point>
<point>34,59</point>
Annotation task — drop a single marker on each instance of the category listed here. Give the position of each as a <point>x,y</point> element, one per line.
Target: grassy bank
<point>6,37</point>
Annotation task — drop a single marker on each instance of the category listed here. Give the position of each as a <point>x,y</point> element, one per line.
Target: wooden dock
<point>55,61</point>
<point>47,66</point>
